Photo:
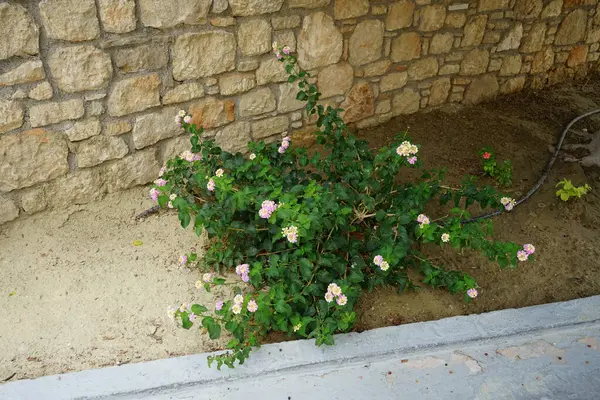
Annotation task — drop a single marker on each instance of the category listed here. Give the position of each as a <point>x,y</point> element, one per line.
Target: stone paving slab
<point>542,352</point>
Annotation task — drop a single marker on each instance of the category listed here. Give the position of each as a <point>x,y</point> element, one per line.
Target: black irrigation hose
<point>544,175</point>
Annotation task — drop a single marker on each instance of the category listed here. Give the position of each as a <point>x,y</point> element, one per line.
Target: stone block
<point>142,58</point>
<point>269,126</point>
<point>449,69</point>
<point>287,22</point>
<point>197,55</point>
<point>138,168</point>
<point>481,89</point>
<point>43,91</point>
<point>52,113</point>
<point>528,9</point>
<point>20,35</point>
<point>431,18</point>
<point>400,15</point>
<point>377,68</point>
<point>211,112</point>
<point>257,102</point>
<point>72,20</point>
<point>31,157</point>
<point>512,38</point>
<point>440,89</point>
<point>244,8</point>
<point>115,128</point>
<point>80,68</point>
<point>513,85</point>
<point>534,40</point>
<point>577,56</point>
<point>542,61</point>
<point>335,80</point>
<point>254,37</point>
<point>27,72</point>
<point>270,70</point>
<point>511,65</point>
<point>359,103</point>
<point>134,94</point>
<point>117,16</point>
<point>406,47</point>
<point>11,115</point>
<point>98,149</point>
<point>285,38</point>
<point>168,14</point>
<point>308,3</point>
<point>366,42</point>
<point>84,129</point>
<point>152,128</point>
<point>441,43</point>
<point>79,187</point>
<point>475,62</point>
<point>474,31</point>
<point>491,5</point>
<point>344,9</point>
<point>183,93</point>
<point>393,81</point>
<point>572,28</point>
<point>236,82</point>
<point>423,68</point>
<point>287,98</point>
<point>406,102</point>
<point>8,210</point>
<point>456,20</point>
<point>320,42</point>
<point>552,9</point>
<point>234,137</point>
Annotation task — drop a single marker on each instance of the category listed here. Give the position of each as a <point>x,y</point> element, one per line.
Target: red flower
<point>486,155</point>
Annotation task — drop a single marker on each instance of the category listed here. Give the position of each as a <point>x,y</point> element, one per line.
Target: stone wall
<point>89,88</point>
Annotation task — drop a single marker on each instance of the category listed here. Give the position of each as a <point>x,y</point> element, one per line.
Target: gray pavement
<point>544,352</point>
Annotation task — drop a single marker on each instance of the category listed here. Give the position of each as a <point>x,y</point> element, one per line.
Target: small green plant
<point>296,237</point>
<point>569,191</point>
<point>500,172</point>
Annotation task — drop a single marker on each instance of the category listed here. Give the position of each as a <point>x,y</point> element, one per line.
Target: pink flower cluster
<point>407,149</point>
<point>423,220</point>
<point>285,143</point>
<point>381,263</point>
<point>508,203</point>
<point>210,185</point>
<point>334,291</point>
<point>285,50</point>
<point>189,156</point>
<point>183,116</point>
<point>243,270</point>
<point>472,293</point>
<point>268,207</point>
<point>219,305</point>
<point>291,232</point>
<point>238,302</point>
<point>523,255</point>
<point>154,193</point>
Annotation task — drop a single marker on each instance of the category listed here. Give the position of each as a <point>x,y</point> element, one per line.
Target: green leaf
<point>214,331</point>
<point>184,217</point>
<point>198,309</point>
<point>306,268</point>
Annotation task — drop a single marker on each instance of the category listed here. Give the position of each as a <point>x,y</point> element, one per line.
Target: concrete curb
<point>168,374</point>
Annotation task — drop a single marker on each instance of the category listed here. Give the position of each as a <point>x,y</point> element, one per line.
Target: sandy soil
<point>77,294</point>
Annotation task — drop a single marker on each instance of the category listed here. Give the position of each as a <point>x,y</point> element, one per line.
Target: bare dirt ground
<point>76,293</point>
<point>523,128</point>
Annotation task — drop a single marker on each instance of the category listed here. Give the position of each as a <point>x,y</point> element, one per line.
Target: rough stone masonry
<point>89,88</point>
